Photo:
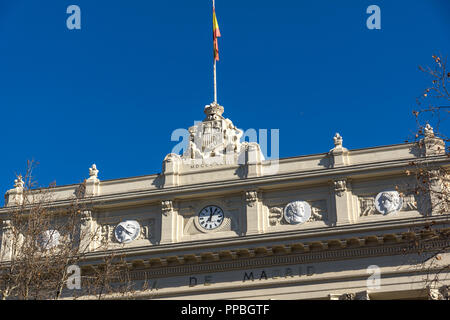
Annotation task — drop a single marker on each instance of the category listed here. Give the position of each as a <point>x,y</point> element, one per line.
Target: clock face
<point>211,217</point>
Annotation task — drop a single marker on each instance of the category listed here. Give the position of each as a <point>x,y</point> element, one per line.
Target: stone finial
<point>213,112</point>
<point>339,153</point>
<point>14,197</point>
<point>428,131</point>
<point>338,140</point>
<point>93,183</point>
<point>431,145</point>
<point>19,183</point>
<point>93,172</point>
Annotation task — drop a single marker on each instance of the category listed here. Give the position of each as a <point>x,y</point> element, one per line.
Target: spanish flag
<point>216,35</point>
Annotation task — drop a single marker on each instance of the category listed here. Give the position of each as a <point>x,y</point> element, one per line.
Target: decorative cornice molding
<point>307,235</point>
<point>234,260</point>
<point>288,254</point>
<point>304,177</point>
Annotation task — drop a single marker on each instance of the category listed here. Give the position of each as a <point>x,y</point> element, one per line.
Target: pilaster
<point>6,241</point>
<point>343,199</point>
<point>170,223</point>
<point>87,236</point>
<point>438,196</point>
<point>254,213</point>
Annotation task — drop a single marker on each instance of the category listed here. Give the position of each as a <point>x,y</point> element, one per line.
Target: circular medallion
<point>297,212</point>
<point>127,231</point>
<point>388,202</point>
<point>49,239</point>
<point>211,217</point>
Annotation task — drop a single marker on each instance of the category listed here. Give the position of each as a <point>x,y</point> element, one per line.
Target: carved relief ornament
<point>387,202</point>
<point>251,197</point>
<point>214,136</point>
<point>340,187</point>
<point>318,212</point>
<point>166,207</point>
<point>86,217</point>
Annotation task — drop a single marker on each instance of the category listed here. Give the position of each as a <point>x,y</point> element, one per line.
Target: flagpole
<point>215,70</point>
<point>215,82</point>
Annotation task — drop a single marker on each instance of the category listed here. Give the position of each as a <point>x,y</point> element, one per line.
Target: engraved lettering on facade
<point>278,273</point>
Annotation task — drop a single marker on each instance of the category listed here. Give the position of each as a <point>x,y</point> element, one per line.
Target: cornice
<point>299,178</point>
<point>375,233</point>
<point>349,231</point>
<point>282,255</point>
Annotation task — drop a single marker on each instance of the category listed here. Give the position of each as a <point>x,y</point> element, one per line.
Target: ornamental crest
<point>215,136</point>
<point>210,136</point>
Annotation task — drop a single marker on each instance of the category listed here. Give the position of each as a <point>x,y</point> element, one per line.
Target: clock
<point>211,217</point>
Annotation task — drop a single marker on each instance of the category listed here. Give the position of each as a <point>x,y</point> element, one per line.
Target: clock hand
<point>210,215</point>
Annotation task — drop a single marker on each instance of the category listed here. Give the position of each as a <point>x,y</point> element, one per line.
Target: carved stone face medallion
<point>49,239</point>
<point>297,212</point>
<point>388,202</point>
<point>127,231</point>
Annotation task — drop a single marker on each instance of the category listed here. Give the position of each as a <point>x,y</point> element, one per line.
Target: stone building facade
<point>221,222</point>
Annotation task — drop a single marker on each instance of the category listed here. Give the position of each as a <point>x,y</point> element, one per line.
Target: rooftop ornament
<point>338,141</point>
<point>19,183</point>
<point>93,172</point>
<point>428,131</point>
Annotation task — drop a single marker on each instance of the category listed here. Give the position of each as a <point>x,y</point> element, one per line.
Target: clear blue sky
<point>113,92</point>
